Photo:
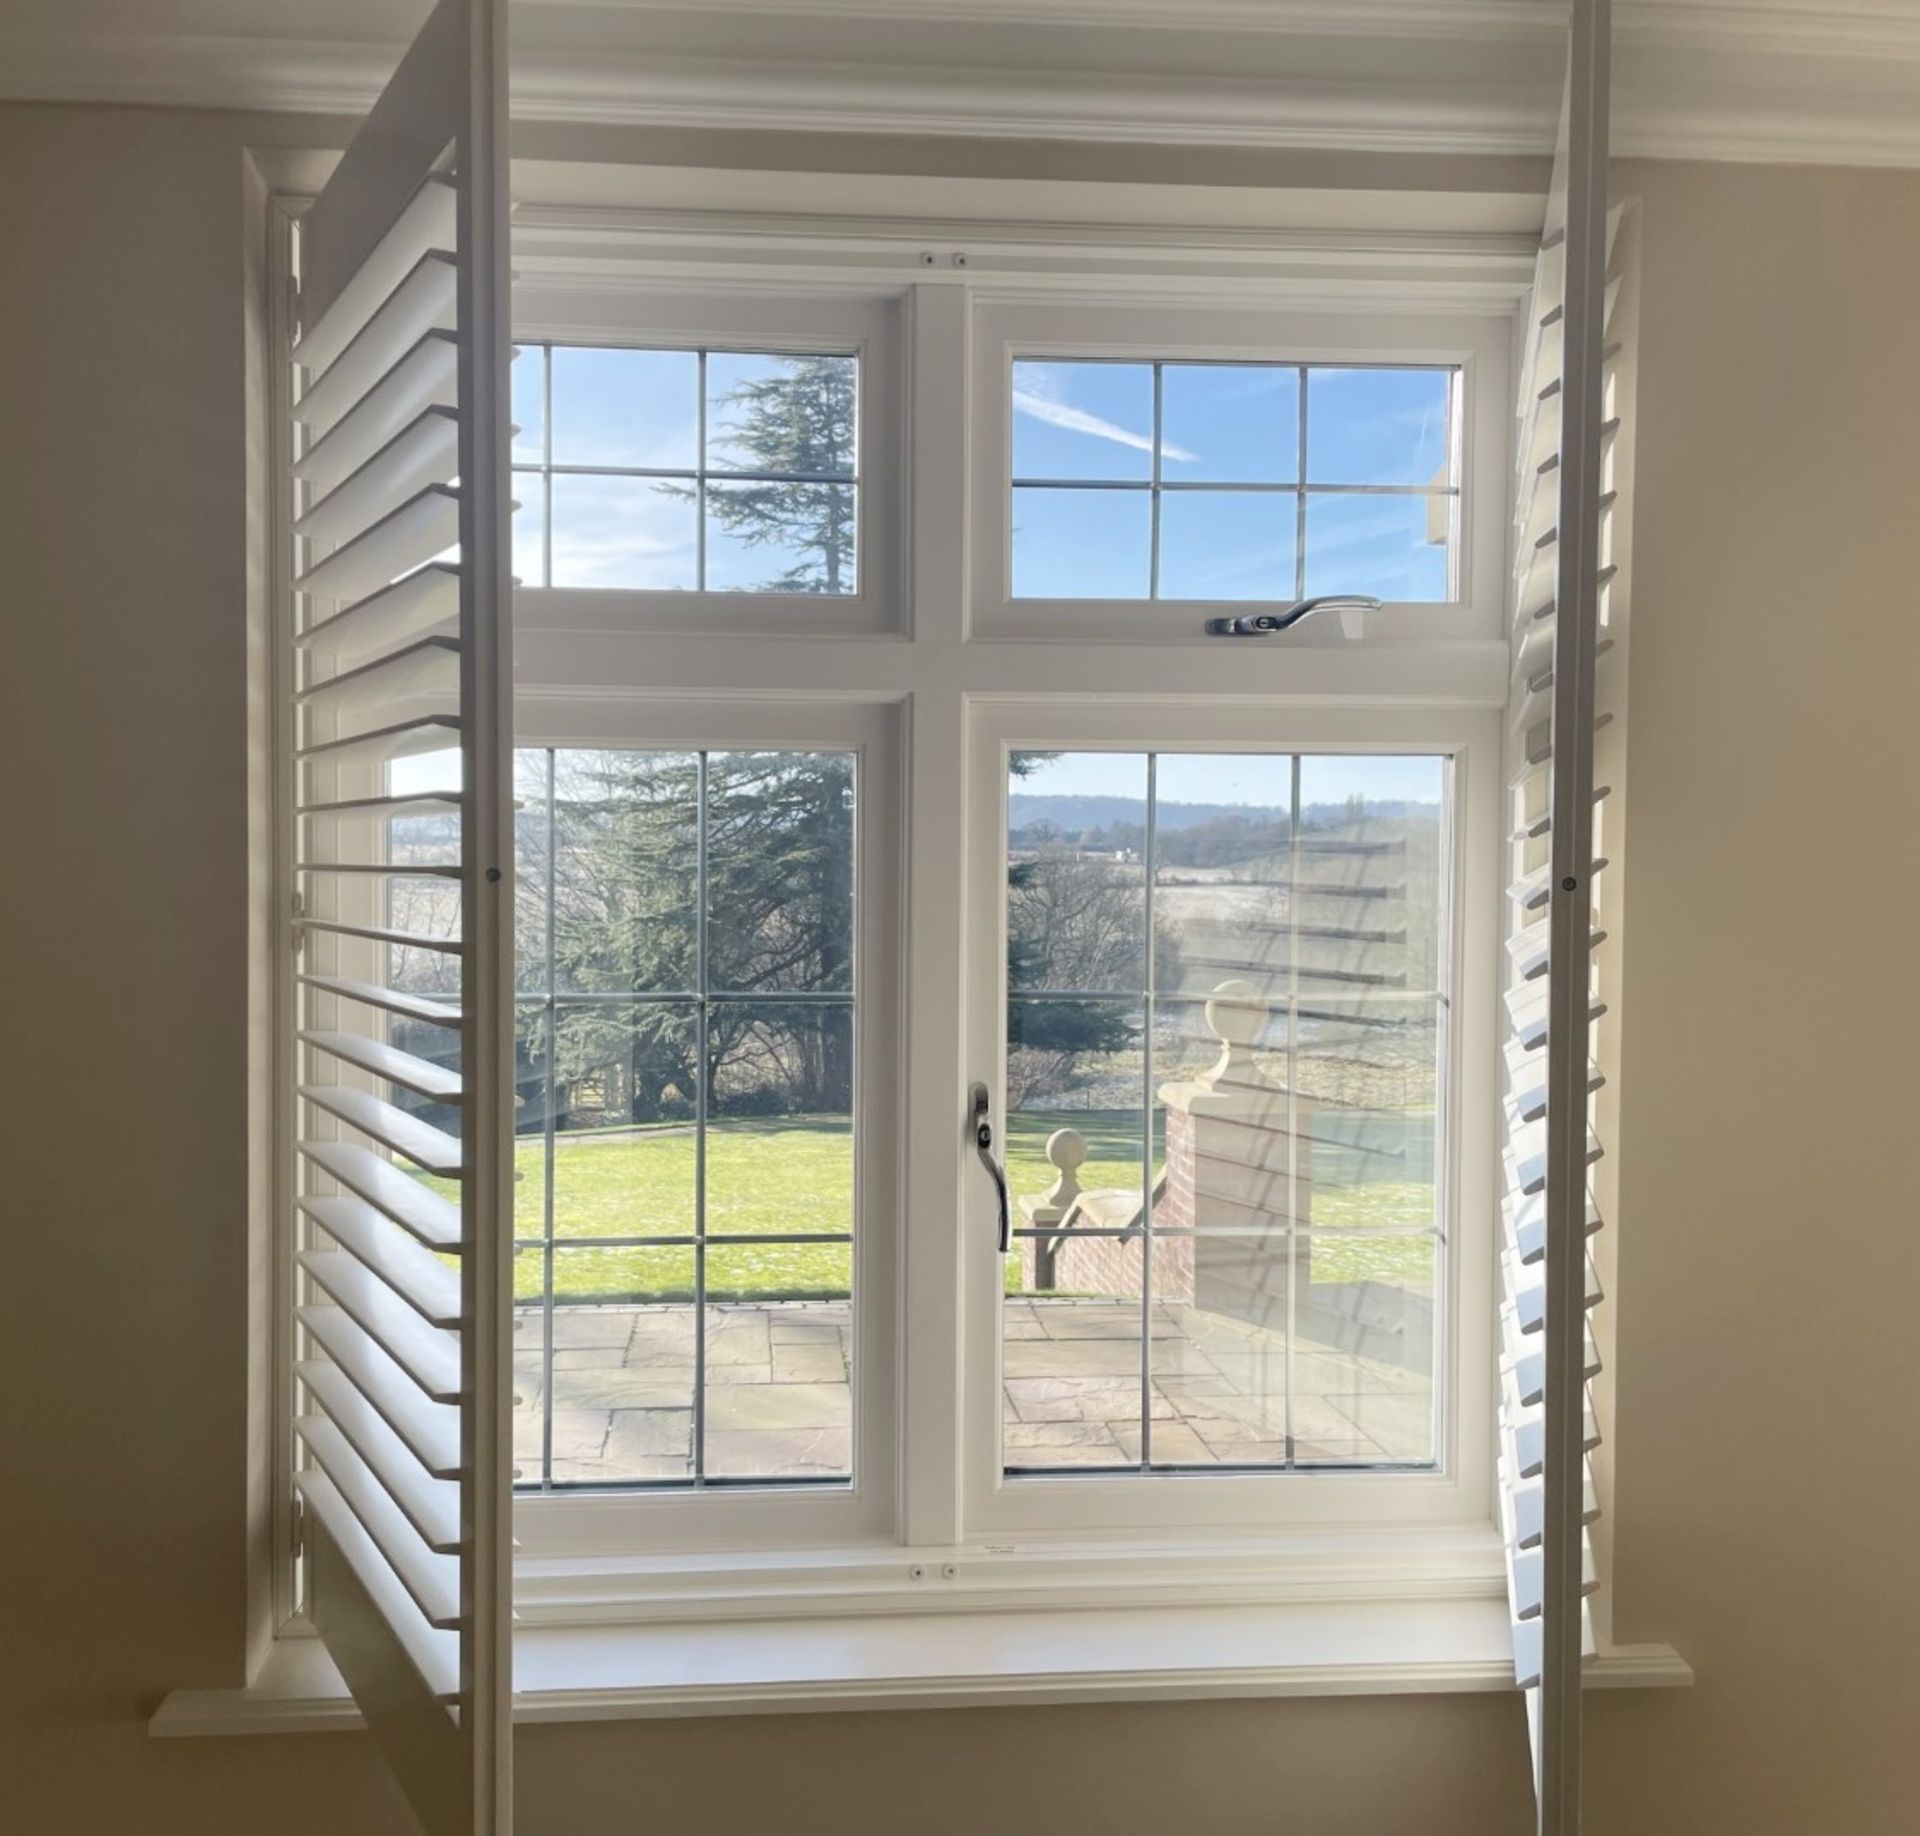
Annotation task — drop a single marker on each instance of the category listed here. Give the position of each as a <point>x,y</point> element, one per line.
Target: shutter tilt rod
<point>1258,624</point>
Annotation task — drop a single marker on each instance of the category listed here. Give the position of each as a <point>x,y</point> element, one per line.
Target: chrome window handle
<point>981,1125</point>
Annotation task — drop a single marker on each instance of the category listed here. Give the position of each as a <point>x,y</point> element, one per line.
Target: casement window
<point>990,1085</point>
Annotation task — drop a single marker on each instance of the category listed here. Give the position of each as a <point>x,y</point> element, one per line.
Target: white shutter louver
<point>1565,570</point>
<point>398,736</point>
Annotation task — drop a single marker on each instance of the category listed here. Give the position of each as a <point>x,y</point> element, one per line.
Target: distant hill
<point>1072,816</point>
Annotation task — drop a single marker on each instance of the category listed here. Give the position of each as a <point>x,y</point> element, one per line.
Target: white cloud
<point>1078,420</point>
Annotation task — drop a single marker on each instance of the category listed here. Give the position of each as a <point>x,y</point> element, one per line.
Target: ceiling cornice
<point>1695,79</point>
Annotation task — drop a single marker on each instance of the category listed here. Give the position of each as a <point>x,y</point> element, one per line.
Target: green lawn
<point>794,1175</point>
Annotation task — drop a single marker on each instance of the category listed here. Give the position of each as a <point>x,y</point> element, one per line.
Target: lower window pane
<point>1071,1351</point>
<point>778,1401</point>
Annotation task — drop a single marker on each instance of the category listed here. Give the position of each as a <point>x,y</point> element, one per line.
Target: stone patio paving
<point>778,1403</point>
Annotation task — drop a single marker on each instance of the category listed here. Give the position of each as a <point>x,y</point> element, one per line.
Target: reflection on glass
<point>1076,903</point>
<point>1287,1061</point>
<point>627,408</point>
<point>1227,544</point>
<point>1230,423</point>
<point>530,528</point>
<point>1071,544</point>
<point>529,384</point>
<point>1391,547</point>
<point>613,531</point>
<point>794,416</point>
<point>1091,421</point>
<point>1381,426</point>
<point>781,537</point>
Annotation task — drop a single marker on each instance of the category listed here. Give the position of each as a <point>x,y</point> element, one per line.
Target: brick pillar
<point>1238,1156</point>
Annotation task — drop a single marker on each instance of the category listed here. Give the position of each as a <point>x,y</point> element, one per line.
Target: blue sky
<point>1256,780</point>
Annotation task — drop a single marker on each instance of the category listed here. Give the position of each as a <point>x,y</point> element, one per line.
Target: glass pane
<point>623,532</point>
<point>530,528</point>
<point>1082,544</point>
<point>621,1386</point>
<point>1070,1352</point>
<point>780,1129</point>
<point>1076,886</point>
<point>781,538</point>
<point>1228,544</point>
<point>530,867</point>
<point>1076,1084</point>
<point>626,408</point>
<point>1392,547</point>
<point>1229,422</point>
<point>529,380</point>
<point>1371,867</point>
<point>795,416</point>
<point>529,1369</point>
<point>780,829</point>
<point>1367,1075</point>
<point>1379,427</point>
<point>778,1401</point>
<point>1083,420</point>
<point>1222,850</point>
<point>532,1081</point>
<point>1363,1349</point>
<point>626,870</point>
<point>1229,1147</point>
<point>1220,1370</point>
<point>624,1093</point>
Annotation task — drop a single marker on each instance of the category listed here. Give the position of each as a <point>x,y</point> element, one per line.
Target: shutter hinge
<point>298,934</point>
<point>299,1528</point>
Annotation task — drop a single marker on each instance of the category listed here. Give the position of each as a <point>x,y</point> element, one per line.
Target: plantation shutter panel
<point>398,730</point>
<point>1564,578</point>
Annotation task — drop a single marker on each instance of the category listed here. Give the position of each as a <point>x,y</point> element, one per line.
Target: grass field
<point>794,1176</point>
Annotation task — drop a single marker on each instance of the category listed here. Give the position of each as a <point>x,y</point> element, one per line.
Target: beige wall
<point>1767,1378</point>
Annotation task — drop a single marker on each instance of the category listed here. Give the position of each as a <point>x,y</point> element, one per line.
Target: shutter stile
<point>398,757</point>
<point>1566,649</point>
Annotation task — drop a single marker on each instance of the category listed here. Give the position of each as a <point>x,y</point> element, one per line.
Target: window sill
<point>946,1660</point>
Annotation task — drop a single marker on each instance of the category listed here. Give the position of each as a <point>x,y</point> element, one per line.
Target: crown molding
<point>1695,79</point>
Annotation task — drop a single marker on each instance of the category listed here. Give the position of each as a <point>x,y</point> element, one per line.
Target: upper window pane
<point>1232,482</point>
<point>688,471</point>
<point>789,416</point>
<point>1230,423</point>
<point>1379,427</point>
<point>1091,421</point>
<point>625,408</point>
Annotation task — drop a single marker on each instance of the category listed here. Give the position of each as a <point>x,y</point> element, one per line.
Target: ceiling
<point>1833,82</point>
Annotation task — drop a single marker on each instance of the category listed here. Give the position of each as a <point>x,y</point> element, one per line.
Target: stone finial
<point>1067,1151</point>
<point>1236,1015</point>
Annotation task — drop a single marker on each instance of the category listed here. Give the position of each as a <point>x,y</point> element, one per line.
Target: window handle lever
<point>980,1124</point>
<point>1258,624</point>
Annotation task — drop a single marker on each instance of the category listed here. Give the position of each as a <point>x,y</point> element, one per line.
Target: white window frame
<point>1455,1492</point>
<point>903,671</point>
<point>765,320</point>
<point>613,1523</point>
<point>1008,331</point>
